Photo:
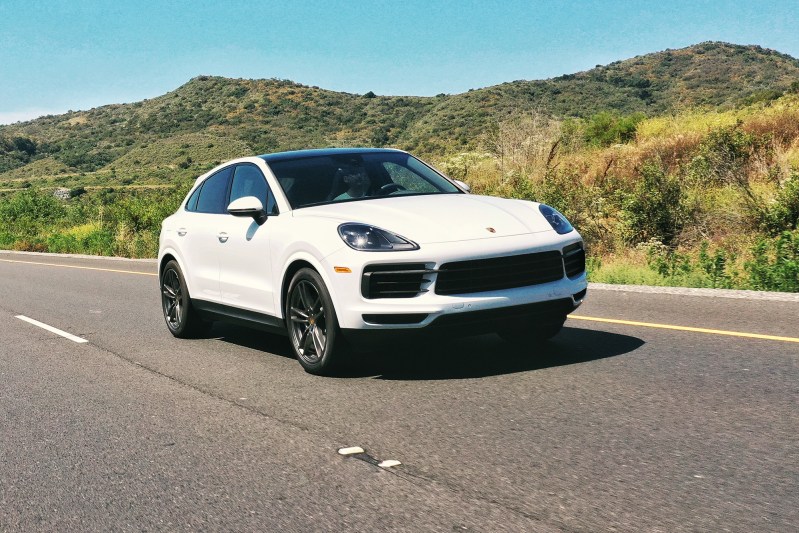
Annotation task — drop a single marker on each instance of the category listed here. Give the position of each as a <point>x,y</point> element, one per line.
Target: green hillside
<point>210,119</point>
<point>679,167</point>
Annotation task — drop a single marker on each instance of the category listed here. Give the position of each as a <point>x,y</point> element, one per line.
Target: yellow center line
<point>686,328</point>
<point>81,267</point>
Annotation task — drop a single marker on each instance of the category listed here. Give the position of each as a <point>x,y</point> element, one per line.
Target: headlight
<point>556,219</point>
<point>371,239</point>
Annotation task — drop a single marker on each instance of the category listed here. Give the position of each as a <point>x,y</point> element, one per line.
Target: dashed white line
<point>51,329</point>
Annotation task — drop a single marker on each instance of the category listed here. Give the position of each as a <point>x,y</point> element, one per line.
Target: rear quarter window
<point>214,193</point>
<point>191,204</point>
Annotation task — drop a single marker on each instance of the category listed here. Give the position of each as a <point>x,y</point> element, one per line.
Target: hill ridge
<point>273,114</point>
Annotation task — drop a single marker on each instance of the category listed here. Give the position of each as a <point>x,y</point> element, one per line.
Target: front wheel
<point>312,323</point>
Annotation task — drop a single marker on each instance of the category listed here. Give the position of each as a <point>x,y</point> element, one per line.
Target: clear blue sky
<point>58,55</point>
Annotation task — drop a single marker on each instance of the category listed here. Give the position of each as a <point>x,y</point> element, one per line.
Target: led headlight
<point>556,219</point>
<point>371,239</point>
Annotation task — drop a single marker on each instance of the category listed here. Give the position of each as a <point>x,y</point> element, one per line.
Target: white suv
<point>337,245</point>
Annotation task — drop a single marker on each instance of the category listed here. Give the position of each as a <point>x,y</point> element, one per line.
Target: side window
<point>214,193</point>
<point>249,181</point>
<point>191,205</point>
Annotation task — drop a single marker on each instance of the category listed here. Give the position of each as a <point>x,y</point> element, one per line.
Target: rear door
<point>199,236</point>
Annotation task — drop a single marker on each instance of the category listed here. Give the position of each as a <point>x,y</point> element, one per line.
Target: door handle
<point>182,232</point>
<point>222,237</point>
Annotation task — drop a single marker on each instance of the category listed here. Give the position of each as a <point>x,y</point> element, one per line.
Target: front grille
<point>394,281</point>
<point>574,259</point>
<point>463,277</point>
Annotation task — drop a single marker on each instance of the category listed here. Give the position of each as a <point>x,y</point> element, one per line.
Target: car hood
<point>438,218</point>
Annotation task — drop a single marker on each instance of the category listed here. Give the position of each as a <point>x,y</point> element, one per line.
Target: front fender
<point>316,263</point>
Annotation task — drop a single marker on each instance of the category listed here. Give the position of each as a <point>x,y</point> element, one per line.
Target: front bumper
<point>468,323</point>
<point>431,311</point>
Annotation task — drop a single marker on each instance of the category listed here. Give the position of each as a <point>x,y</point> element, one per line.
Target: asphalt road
<point>609,427</point>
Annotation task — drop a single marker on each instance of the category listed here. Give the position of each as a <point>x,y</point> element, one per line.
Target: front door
<point>245,264</point>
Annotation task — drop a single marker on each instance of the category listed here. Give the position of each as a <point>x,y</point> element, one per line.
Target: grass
<point>629,269</point>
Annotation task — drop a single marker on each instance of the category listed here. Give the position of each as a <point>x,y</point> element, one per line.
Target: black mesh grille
<point>574,259</point>
<point>498,273</point>
<point>394,281</point>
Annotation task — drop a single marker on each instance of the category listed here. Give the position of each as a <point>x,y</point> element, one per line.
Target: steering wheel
<point>388,188</point>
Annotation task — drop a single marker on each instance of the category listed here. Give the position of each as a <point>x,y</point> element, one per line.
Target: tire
<point>180,317</point>
<point>523,335</point>
<point>312,324</point>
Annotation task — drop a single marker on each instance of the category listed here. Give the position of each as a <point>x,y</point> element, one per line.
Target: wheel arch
<point>294,267</point>
<point>170,255</point>
<point>164,260</point>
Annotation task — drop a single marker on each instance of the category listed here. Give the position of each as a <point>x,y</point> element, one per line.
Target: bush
<point>666,261</point>
<point>716,266</point>
<point>606,128</point>
<point>722,157</point>
<point>775,263</point>
<point>26,212</point>
<point>656,209</point>
<point>783,213</point>
<point>104,222</point>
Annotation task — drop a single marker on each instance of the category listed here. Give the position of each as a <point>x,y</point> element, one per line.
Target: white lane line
<point>51,329</point>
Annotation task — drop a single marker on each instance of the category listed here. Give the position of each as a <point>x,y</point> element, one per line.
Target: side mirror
<point>248,206</point>
<point>462,185</point>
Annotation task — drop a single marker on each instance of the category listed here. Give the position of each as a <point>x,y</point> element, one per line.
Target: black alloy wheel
<point>312,324</point>
<point>181,319</point>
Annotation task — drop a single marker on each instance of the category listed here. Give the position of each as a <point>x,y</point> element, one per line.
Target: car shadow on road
<point>487,355</point>
<point>465,358</point>
<point>252,339</point>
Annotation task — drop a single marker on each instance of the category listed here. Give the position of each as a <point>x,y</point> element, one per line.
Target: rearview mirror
<point>248,206</point>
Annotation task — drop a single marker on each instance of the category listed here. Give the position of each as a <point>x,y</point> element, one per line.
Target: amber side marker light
<point>342,270</point>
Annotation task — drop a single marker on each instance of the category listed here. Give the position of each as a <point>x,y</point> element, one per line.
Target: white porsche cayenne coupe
<point>342,246</point>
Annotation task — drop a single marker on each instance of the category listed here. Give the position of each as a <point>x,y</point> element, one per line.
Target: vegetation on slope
<point>698,198</point>
<point>680,167</point>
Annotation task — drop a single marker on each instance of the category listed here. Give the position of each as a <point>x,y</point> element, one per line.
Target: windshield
<point>352,177</point>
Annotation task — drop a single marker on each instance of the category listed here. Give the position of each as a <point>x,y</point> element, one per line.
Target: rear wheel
<point>181,318</point>
<point>526,335</point>
<point>312,323</point>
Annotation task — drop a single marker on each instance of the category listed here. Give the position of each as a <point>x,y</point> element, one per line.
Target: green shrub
<point>716,266</point>
<point>775,263</point>
<point>666,261</point>
<point>656,209</point>
<point>606,128</point>
<point>722,157</point>
<point>26,212</point>
<point>783,213</point>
